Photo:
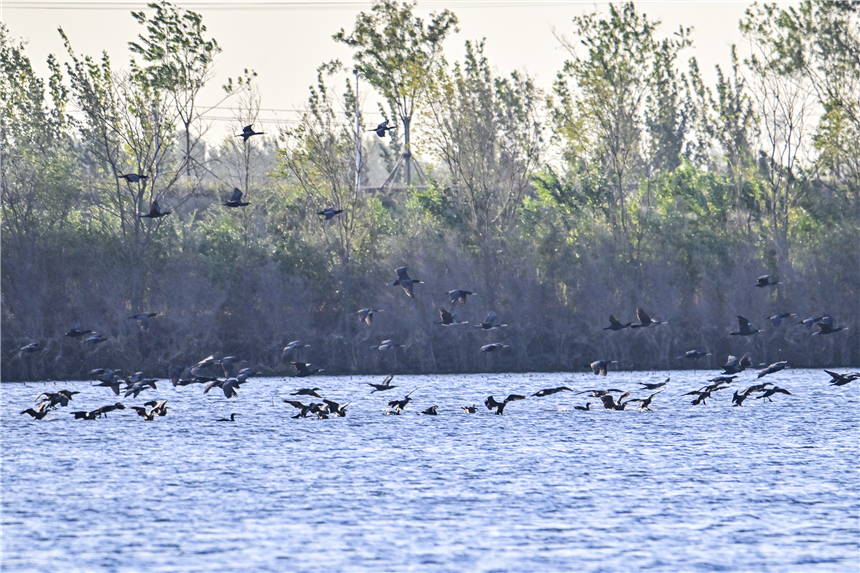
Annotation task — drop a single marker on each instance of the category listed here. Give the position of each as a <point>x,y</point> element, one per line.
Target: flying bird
<point>837,379</point>
<point>744,328</point>
<point>329,212</point>
<point>600,366</point>
<point>134,177</point>
<point>382,128</point>
<point>551,391</point>
<point>386,384</point>
<point>447,318</point>
<point>493,347</point>
<point>491,403</point>
<point>490,322</point>
<point>615,324</point>
<point>459,295</point>
<point>155,212</point>
<point>386,345</point>
<point>404,281</point>
<point>776,319</point>
<point>366,315</point>
<point>303,370</point>
<point>247,132</point>
<point>764,281</point>
<point>236,199</point>
<point>825,326</point>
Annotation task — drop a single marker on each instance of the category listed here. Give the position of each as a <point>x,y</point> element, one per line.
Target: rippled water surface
<point>771,486</point>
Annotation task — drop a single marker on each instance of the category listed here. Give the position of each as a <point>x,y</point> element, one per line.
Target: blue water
<point>766,487</point>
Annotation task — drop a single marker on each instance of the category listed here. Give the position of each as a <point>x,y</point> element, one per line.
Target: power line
<point>281,4</point>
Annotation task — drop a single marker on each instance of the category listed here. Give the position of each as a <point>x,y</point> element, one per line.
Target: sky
<point>285,41</point>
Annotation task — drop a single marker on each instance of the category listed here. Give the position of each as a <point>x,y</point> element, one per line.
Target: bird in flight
<point>155,212</point>
<point>236,199</point>
<point>329,212</point>
<point>134,177</point>
<point>405,281</point>
<point>382,128</point>
<point>247,132</point>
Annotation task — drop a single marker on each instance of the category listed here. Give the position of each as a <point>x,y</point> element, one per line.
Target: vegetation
<point>627,183</point>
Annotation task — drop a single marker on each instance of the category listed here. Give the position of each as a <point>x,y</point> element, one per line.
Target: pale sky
<point>286,40</point>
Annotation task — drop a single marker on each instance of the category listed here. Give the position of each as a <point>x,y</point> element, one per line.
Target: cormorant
<point>303,370</point>
<point>490,322</point>
<point>470,409</point>
<point>655,385</point>
<point>386,385</point>
<point>232,418</point>
<point>491,403</point>
<point>551,391</point>
<point>694,355</point>
<point>155,212</point>
<point>615,324</point>
<point>366,315</point>
<point>775,367</point>
<point>584,408</point>
<point>30,348</point>
<point>382,128</point>
<point>386,345</point>
<point>306,392</point>
<point>53,398</point>
<point>735,365</point>
<point>134,177</point>
<point>826,326</point>
<point>293,346</point>
<point>744,328</point>
<point>76,331</point>
<point>493,346</point>
<point>771,391</point>
<point>401,404</point>
<point>447,318</point>
<point>95,339</point>
<point>247,132</point>
<point>336,409</point>
<point>329,212</point>
<point>645,402</point>
<point>459,295</point>
<point>764,281</point>
<point>644,319</point>
<point>404,281</point>
<point>842,379</point>
<point>776,319</point>
<point>600,366</point>
<point>431,411</point>
<point>236,199</point>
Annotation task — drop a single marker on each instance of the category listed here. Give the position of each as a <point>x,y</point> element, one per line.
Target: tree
<point>396,54</point>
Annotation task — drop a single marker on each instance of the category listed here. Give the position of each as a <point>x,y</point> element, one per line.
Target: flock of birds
<point>225,374</point>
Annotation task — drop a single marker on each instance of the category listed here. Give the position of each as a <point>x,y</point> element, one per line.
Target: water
<point>766,487</point>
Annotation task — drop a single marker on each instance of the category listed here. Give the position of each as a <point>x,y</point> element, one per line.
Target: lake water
<point>770,486</point>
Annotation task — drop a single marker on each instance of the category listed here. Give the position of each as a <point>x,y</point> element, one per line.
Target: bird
<point>610,403</point>
<point>232,418</point>
<point>491,403</point>
<point>76,331</point>
<point>365,315</point>
<point>723,379</point>
<point>645,402</point>
<point>744,328</point>
<point>470,409</point>
<point>236,199</point>
<point>30,348</point>
<point>775,367</point>
<point>155,212</point>
<point>94,339</point>
<point>247,132</point>
<point>159,408</point>
<point>808,322</point>
<point>292,347</point>
<point>825,326</point>
<point>490,322</point>
<point>551,391</point>
<point>306,392</point>
<point>694,355</point>
<point>431,411</point>
<point>329,212</point>
<point>493,347</point>
<point>771,391</point>
<point>148,416</point>
<point>600,366</point>
<point>303,370</point>
<point>599,393</point>
<point>107,378</point>
<point>404,281</point>
<point>735,365</point>
<point>142,319</point>
<point>764,281</point>
<point>644,319</point>
<point>228,365</point>
<point>842,379</point>
<point>336,409</point>
<point>386,345</point>
<point>40,412</point>
<point>134,177</point>
<point>615,324</point>
<point>399,405</point>
<point>583,408</point>
<point>386,384</point>
<point>382,128</point>
<point>447,318</point>
<point>98,412</point>
<point>54,398</point>
<point>776,319</point>
<point>305,409</point>
<point>459,295</point>
<point>654,386</point>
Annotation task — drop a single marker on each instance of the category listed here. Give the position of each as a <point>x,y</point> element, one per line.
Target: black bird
<point>53,398</point>
<point>447,318</point>
<point>142,319</point>
<point>382,128</point>
<point>764,281</point>
<point>610,403</point>
<point>584,408</point>
<point>404,281</point>
<point>776,319</point>
<point>551,391</point>
<point>386,384</point>
<point>386,345</point>
<point>159,408</point>
<point>77,332</point>
<point>236,199</point>
<point>30,348</point>
<point>490,322</point>
<point>654,386</point>
<point>292,347</point>
<point>644,319</point>
<point>599,393</point>
<point>826,326</point>
<point>744,328</point>
<point>775,367</point>
<point>645,402</point>
<point>232,418</point>
<point>329,212</point>
<point>40,412</point>
<point>459,295</point>
<point>493,347</point>
<point>336,409</point>
<point>366,315</point>
<point>247,132</point>
<point>723,379</point>
<point>148,416</point>
<point>228,386</point>
<point>842,379</point>
<point>771,391</point>
<point>98,412</point>
<point>808,322</point>
<point>600,366</point>
<point>306,392</point>
<point>491,403</point>
<point>94,339</point>
<point>401,404</point>
<point>155,212</point>
<point>305,409</point>
<point>735,365</point>
<point>694,355</point>
<point>615,324</point>
<point>107,378</point>
<point>134,177</point>
<point>303,370</point>
<point>431,411</point>
<point>470,409</point>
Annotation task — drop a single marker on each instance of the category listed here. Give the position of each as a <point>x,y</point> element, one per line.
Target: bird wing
<point>743,322</point>
<point>491,317</point>
<point>514,398</point>
<point>294,403</point>
<point>401,273</point>
<point>446,316</point>
<point>388,380</point>
<point>643,316</point>
<point>237,195</point>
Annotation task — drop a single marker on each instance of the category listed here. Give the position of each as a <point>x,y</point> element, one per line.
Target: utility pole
<point>357,139</point>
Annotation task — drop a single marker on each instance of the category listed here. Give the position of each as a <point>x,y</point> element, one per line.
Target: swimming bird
<point>329,212</point>
<point>493,347</point>
<point>335,408</point>
<point>842,379</point>
<point>382,128</point>
<point>401,404</point>
<point>654,385</point>
<point>306,392</point>
<point>825,326</point>
<point>431,411</point>
<point>615,324</point>
<point>447,318</point>
<point>735,365</point>
<point>470,409</point>
<point>236,199</point>
<point>583,408</point>
<point>386,345</point>
<point>247,132</point>
<point>491,403</point>
<point>694,355</point>
<point>744,328</point>
<point>771,391</point>
<point>551,391</point>
<point>600,366</point>
<point>155,212</point>
<point>644,319</point>
<point>386,384</point>
<point>459,295</point>
<point>303,370</point>
<point>76,331</point>
<point>53,398</point>
<point>366,315</point>
<point>775,367</point>
<point>490,322</point>
<point>134,177</point>
<point>776,319</point>
<point>232,418</point>
<point>405,281</point>
<point>764,281</point>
